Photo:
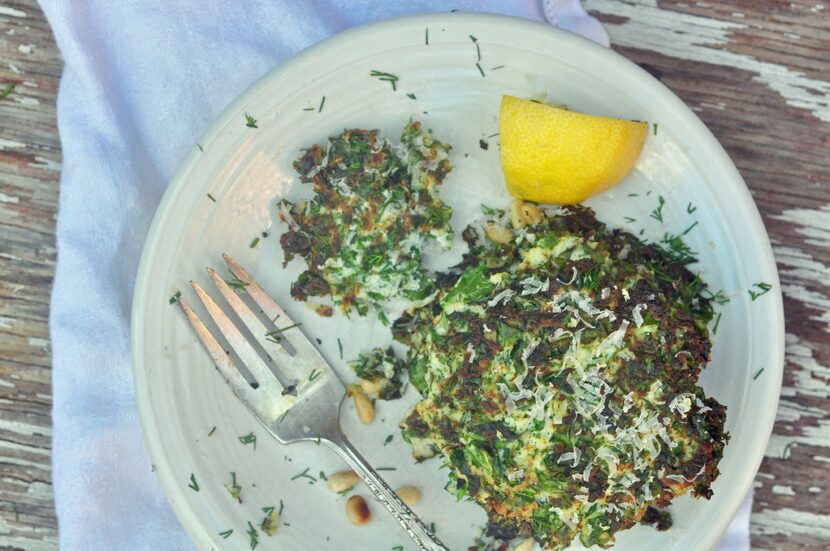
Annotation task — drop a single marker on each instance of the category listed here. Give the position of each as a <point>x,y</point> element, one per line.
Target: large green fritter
<point>559,372</point>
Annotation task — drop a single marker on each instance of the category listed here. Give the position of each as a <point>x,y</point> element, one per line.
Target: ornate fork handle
<point>411,523</point>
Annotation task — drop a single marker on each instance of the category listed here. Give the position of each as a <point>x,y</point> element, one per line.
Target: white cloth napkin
<point>142,80</point>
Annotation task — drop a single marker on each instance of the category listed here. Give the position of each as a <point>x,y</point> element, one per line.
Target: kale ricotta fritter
<point>559,370</point>
<point>374,206</point>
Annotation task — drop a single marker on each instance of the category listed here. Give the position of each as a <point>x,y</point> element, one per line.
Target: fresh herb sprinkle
<point>193,484</point>
<point>657,213</point>
<point>629,219</point>
<point>227,533</point>
<point>411,96</point>
<point>322,103</point>
<point>654,127</point>
<point>236,283</point>
<point>763,288</point>
<point>388,439</point>
<point>212,431</point>
<point>387,77</point>
<point>211,197</point>
<point>274,336</point>
<point>386,468</point>
<point>340,347</point>
<point>426,36</point>
<point>254,242</point>
<point>175,298</point>
<point>7,90</point>
<point>478,48</point>
<point>249,438</point>
<point>234,489</point>
<point>314,374</point>
<point>497,67</point>
<point>480,70</point>
<point>250,122</point>
<point>202,149</point>
<point>717,322</point>
<point>305,474</point>
<point>252,533</point>
<point>690,208</point>
<point>758,374</point>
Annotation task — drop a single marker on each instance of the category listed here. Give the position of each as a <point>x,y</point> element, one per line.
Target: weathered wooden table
<point>756,71</point>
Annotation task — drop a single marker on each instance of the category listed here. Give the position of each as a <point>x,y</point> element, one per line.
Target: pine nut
<point>364,407</point>
<point>498,233</point>
<point>342,481</point>
<point>516,216</point>
<point>357,510</point>
<point>410,495</point>
<point>531,214</point>
<point>373,387</point>
<point>526,545</point>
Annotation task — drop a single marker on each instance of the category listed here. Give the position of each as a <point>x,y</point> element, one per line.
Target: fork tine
<point>301,344</point>
<point>252,360</point>
<point>221,359</point>
<point>251,321</point>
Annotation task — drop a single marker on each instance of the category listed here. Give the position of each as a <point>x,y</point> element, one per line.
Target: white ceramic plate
<point>246,170</point>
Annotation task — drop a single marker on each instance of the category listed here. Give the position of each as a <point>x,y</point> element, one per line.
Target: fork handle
<point>419,533</point>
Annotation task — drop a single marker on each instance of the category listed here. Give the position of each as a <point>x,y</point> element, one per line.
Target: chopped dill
<point>175,298</point>
<point>478,48</point>
<point>254,242</point>
<point>211,197</point>
<point>250,122</point>
<point>654,126</point>
<point>690,208</point>
<point>340,346</point>
<point>388,439</point>
<point>322,103</point>
<point>212,431</point>
<point>234,489</point>
<point>193,484</point>
<point>314,374</point>
<point>202,149</point>
<point>227,533</point>
<point>236,283</point>
<point>252,533</point>
<point>763,288</point>
<point>274,336</point>
<point>629,219</point>
<point>305,474</point>
<point>249,438</point>
<point>480,70</point>
<point>758,373</point>
<point>657,213</point>
<point>7,90</point>
<point>411,96</point>
<point>386,468</point>
<point>717,322</point>
<point>497,67</point>
<point>426,36</point>
<point>387,77</point>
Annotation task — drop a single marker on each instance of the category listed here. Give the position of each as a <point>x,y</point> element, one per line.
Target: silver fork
<point>295,393</point>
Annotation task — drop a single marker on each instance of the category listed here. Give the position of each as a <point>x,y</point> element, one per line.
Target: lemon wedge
<point>552,155</point>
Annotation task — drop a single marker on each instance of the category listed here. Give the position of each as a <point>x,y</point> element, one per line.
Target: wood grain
<point>757,74</point>
<point>29,170</point>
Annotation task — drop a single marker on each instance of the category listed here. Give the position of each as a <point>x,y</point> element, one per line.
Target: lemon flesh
<point>552,155</point>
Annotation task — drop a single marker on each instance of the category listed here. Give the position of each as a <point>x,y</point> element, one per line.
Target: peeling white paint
<point>719,106</point>
<point>13,68</point>
<point>10,144</point>
<point>812,299</point>
<point>6,323</point>
<point>702,39</point>
<point>23,100</point>
<point>37,342</point>
<point>815,224</point>
<point>821,459</point>
<point>814,490</point>
<point>24,428</point>
<point>46,164</point>
<point>26,48</point>
<point>780,490</point>
<point>11,12</point>
<point>789,522</point>
<point>8,198</point>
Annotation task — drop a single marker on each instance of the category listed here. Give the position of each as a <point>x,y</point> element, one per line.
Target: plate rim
<point>173,490</point>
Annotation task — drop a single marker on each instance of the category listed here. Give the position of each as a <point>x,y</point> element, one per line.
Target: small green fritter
<point>559,371</point>
<point>380,373</point>
<point>374,206</point>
